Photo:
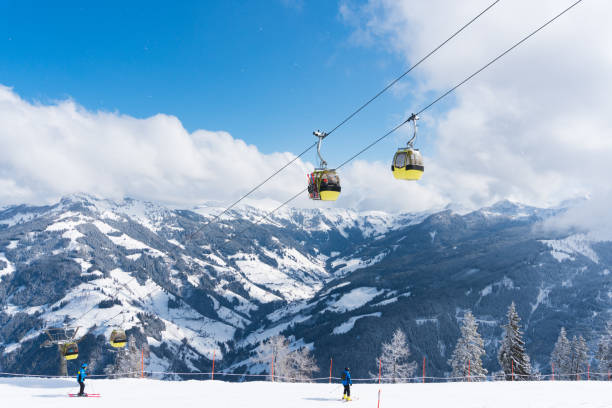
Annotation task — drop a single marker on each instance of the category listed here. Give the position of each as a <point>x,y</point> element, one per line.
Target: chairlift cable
<point>266,216</point>
<point>216,217</point>
<point>499,56</point>
<point>345,120</point>
<point>412,67</point>
<point>451,90</point>
<point>123,285</point>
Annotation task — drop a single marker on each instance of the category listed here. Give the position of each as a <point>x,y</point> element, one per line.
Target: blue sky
<point>267,72</point>
<point>271,72</point>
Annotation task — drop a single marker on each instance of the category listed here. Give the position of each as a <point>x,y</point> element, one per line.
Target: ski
<point>84,395</point>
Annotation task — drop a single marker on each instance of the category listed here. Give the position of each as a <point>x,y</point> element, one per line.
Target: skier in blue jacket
<point>81,375</point>
<point>346,381</point>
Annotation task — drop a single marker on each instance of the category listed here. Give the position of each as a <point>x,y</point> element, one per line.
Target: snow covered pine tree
<point>273,354</point>
<point>466,360</point>
<point>512,356</point>
<point>560,357</point>
<point>303,364</point>
<point>394,359</point>
<point>289,366</point>
<point>604,352</point>
<point>578,358</point>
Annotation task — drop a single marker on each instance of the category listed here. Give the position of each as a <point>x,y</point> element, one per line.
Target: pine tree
<point>604,351</point>
<point>561,356</point>
<point>466,360</point>
<point>394,359</point>
<point>512,356</point>
<point>578,357</point>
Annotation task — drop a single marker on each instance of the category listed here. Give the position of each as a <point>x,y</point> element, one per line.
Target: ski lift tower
<point>65,338</point>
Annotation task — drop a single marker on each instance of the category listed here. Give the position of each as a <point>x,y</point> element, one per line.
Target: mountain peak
<point>75,198</point>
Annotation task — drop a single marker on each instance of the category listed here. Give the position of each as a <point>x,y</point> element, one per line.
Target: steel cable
<point>345,120</point>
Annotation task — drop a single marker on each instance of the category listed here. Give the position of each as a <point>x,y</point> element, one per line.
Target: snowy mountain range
<point>338,281</point>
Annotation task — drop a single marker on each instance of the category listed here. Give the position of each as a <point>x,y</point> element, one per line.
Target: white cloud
<point>47,151</point>
<point>371,186</point>
<point>50,150</point>
<point>534,127</point>
<point>590,216</point>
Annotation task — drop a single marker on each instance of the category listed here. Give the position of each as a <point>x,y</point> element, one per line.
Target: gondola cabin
<point>407,164</point>
<point>118,338</point>
<point>324,185</point>
<point>70,351</point>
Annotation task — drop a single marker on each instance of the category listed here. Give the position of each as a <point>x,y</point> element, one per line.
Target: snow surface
<point>52,393</point>
<point>280,277</point>
<point>542,298</point>
<point>574,244</point>
<point>104,227</point>
<point>12,244</point>
<point>348,265</point>
<point>261,335</point>
<point>350,323</point>
<point>385,302</point>
<point>18,219</point>
<point>354,299</point>
<point>291,308</point>
<point>425,320</point>
<point>8,269</point>
<point>175,242</point>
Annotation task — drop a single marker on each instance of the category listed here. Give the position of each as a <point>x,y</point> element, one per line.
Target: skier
<point>346,381</point>
<point>82,374</point>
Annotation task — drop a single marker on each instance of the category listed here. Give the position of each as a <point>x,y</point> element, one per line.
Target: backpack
<point>343,377</point>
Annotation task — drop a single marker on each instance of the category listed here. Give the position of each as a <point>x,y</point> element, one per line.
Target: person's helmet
<point>84,365</point>
<point>347,369</point>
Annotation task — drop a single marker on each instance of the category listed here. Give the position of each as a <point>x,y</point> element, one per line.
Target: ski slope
<point>146,393</point>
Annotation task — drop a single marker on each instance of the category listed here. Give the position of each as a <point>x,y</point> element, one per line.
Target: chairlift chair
<point>407,162</point>
<point>118,338</point>
<point>70,351</point>
<point>323,183</point>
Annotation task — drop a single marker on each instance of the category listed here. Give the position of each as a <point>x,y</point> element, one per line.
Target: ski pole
<point>334,389</point>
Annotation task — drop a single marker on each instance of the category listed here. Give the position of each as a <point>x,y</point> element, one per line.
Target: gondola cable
<point>414,115</point>
<point>385,89</point>
<point>252,190</point>
<point>345,120</point>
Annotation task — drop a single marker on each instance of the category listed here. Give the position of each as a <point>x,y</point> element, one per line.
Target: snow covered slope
<point>336,280</point>
<point>51,393</point>
<point>101,264</point>
<point>435,270</point>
